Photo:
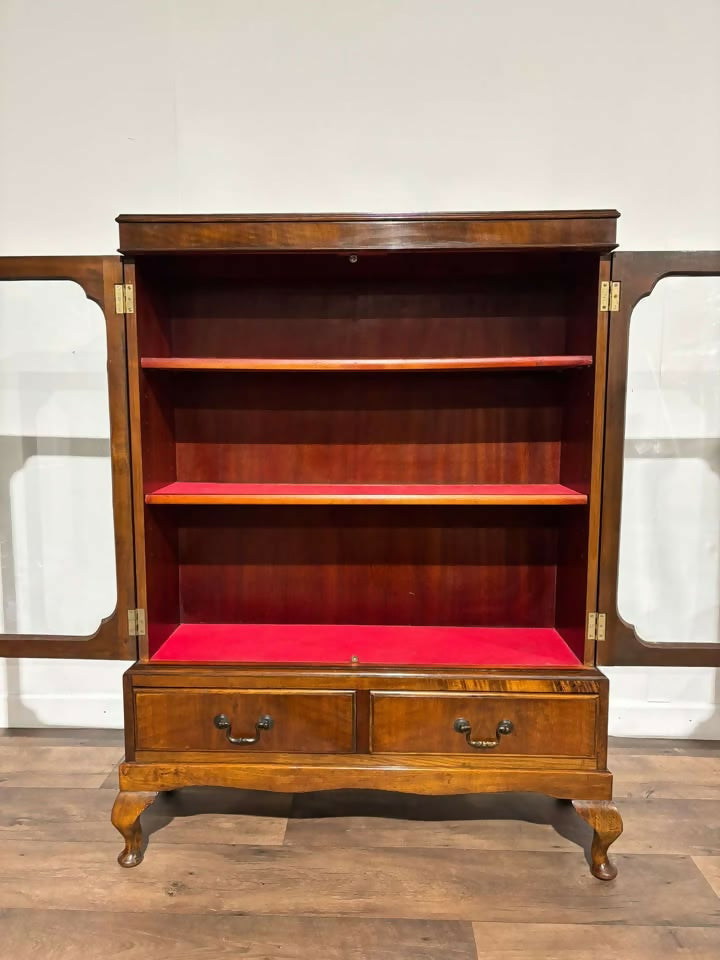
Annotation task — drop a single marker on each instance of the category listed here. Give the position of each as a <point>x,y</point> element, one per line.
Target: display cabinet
<point>367,477</point>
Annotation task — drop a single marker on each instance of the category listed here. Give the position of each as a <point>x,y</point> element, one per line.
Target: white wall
<point>266,105</point>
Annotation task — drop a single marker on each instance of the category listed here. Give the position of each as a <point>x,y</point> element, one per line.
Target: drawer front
<point>177,720</point>
<point>562,725</point>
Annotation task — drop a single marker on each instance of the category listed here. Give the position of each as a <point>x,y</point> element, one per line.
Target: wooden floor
<point>353,874</point>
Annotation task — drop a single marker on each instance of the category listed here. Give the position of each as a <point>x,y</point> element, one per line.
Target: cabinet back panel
<point>367,428</point>
<point>394,305</point>
<point>261,322</point>
<point>392,565</point>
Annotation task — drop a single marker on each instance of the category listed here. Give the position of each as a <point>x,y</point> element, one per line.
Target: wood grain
<point>424,775</point>
<point>438,884</point>
<point>34,764</point>
<point>606,823</point>
<point>459,567</point>
<point>357,873</point>
<point>366,677</point>
<point>406,723</point>
<point>179,720</point>
<point>359,364</point>
<point>577,229</point>
<point>667,777</point>
<point>153,461</point>
<point>80,934</point>
<point>62,736</point>
<point>568,941</point>
<point>495,822</point>
<point>193,815</point>
<point>405,427</point>
<point>293,494</point>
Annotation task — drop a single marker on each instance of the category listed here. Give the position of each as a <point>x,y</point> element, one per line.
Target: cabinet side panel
<point>581,457</point>
<point>153,453</point>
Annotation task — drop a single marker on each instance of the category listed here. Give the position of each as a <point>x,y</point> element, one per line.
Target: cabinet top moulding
<point>550,229</point>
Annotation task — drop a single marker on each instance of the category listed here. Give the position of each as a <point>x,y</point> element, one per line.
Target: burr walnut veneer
<point>359,472</point>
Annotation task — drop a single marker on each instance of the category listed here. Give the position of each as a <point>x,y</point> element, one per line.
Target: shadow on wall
<point>18,714</point>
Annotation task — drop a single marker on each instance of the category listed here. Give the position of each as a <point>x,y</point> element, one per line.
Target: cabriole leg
<point>604,818</point>
<point>126,818</point>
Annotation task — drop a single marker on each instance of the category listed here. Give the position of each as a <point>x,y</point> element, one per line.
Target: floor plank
<point>555,941</point>
<point>45,780</point>
<point>22,757</point>
<point>193,815</point>
<point>352,875</point>
<point>669,777</point>
<point>205,937</point>
<point>37,764</point>
<point>496,822</point>
<point>362,818</point>
<point>445,884</point>
<point>62,736</point>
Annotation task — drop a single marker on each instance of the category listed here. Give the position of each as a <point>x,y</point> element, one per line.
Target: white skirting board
<point>87,710</point>
<point>61,693</point>
<point>684,721</point>
<point>664,702</point>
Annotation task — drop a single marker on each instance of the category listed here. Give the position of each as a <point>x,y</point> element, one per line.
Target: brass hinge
<point>610,296</point>
<point>124,298</point>
<point>136,623</point>
<point>596,627</point>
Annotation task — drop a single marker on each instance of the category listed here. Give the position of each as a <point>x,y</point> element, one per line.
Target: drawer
<point>299,722</point>
<point>561,726</point>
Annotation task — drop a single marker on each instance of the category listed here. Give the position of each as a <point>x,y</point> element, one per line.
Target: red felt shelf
<point>370,644</point>
<point>552,494</point>
<point>562,362</point>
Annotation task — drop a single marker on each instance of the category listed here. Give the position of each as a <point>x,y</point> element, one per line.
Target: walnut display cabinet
<point>367,476</point>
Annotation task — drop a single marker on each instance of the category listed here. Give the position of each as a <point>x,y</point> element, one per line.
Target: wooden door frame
<point>638,274</point>
<point>97,276</point>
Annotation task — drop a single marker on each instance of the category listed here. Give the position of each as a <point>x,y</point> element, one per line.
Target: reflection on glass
<point>669,573</point>
<point>57,557</point>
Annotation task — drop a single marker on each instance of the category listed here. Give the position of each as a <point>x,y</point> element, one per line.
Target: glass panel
<point>57,573</point>
<point>669,572</point>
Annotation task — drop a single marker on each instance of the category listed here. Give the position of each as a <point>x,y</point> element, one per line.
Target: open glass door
<point>66,546</point>
<point>660,527</point>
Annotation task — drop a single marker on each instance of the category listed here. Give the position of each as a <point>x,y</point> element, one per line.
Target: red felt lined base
<point>329,643</point>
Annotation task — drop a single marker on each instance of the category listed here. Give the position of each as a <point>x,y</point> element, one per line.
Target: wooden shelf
<point>313,363</point>
<point>371,644</point>
<point>550,494</point>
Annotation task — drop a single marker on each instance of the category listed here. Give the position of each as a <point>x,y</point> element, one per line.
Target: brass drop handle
<point>463,726</point>
<point>223,723</point>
